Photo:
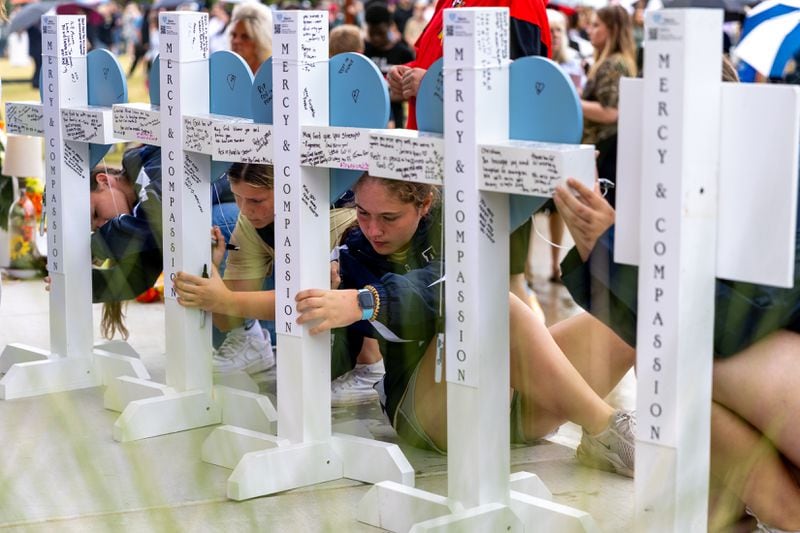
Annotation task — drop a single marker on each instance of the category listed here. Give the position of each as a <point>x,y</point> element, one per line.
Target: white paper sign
<point>242,141</point>
<point>137,122</point>
<point>751,114</point>
<point>534,169</point>
<point>335,147</point>
<point>198,134</point>
<point>88,124</point>
<point>407,155</point>
<point>25,118</point>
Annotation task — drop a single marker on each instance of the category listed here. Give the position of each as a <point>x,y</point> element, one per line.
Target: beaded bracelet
<point>377,299</point>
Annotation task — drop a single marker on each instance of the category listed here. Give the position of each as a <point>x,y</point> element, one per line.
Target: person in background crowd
<point>566,57</point>
<point>416,23</point>
<point>35,51</point>
<point>386,50</point>
<point>251,33</point>
<point>403,11</point>
<point>140,39</point>
<point>614,57</point>
<point>218,28</point>
<point>578,31</point>
<point>345,38</point>
<point>151,37</point>
<point>131,27</point>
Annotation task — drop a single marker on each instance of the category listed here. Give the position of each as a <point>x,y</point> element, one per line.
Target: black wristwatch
<point>366,301</point>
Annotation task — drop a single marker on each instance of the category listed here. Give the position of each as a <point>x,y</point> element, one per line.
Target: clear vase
<point>24,259</point>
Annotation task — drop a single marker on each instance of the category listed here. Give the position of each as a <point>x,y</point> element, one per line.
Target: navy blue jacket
<point>132,242</point>
<point>410,298</point>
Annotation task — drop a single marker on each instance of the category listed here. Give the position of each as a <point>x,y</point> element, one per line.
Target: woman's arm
<point>596,112</point>
<point>407,304</point>
<point>333,308</point>
<point>605,289</point>
<point>229,300</point>
<point>602,107</point>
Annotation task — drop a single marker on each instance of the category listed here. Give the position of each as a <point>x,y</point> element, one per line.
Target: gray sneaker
<point>611,450</point>
<point>248,350</point>
<point>761,527</point>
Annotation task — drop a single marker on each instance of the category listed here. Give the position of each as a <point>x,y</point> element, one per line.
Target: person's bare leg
<point>529,260</point>
<point>599,355</point>
<point>749,466</point>
<point>518,287</point>
<point>370,352</point>
<point>761,384</point>
<point>725,510</point>
<point>551,389</point>
<point>556,225</point>
<point>430,399</point>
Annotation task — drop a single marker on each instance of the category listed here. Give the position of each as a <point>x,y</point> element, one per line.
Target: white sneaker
<point>249,350</point>
<point>356,386</point>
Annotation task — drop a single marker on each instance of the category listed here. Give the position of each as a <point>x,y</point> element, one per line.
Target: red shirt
<point>429,44</point>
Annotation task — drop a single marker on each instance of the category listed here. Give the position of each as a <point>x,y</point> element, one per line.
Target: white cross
<point>67,125</point>
<point>477,165</point>
<point>704,167</point>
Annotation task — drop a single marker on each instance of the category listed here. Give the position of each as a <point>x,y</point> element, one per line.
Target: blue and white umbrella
<point>770,36</point>
<point>767,10</point>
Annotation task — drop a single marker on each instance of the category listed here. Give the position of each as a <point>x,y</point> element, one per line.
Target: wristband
<point>366,301</point>
<point>377,297</point>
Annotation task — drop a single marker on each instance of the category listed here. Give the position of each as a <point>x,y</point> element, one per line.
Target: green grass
<point>16,92</point>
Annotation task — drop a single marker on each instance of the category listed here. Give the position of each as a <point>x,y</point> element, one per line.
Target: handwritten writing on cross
<point>705,189</point>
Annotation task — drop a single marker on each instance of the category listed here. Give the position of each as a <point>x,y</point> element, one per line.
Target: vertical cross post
<point>66,171</point>
<point>476,61</point>
<point>186,201</point>
<point>300,85</point>
<point>681,149</point>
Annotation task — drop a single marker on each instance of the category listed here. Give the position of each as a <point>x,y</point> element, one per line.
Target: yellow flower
<point>19,247</point>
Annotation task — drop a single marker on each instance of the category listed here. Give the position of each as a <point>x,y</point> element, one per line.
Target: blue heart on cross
<point>110,89</point>
<point>230,89</point>
<point>555,116</point>
<point>361,95</point>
